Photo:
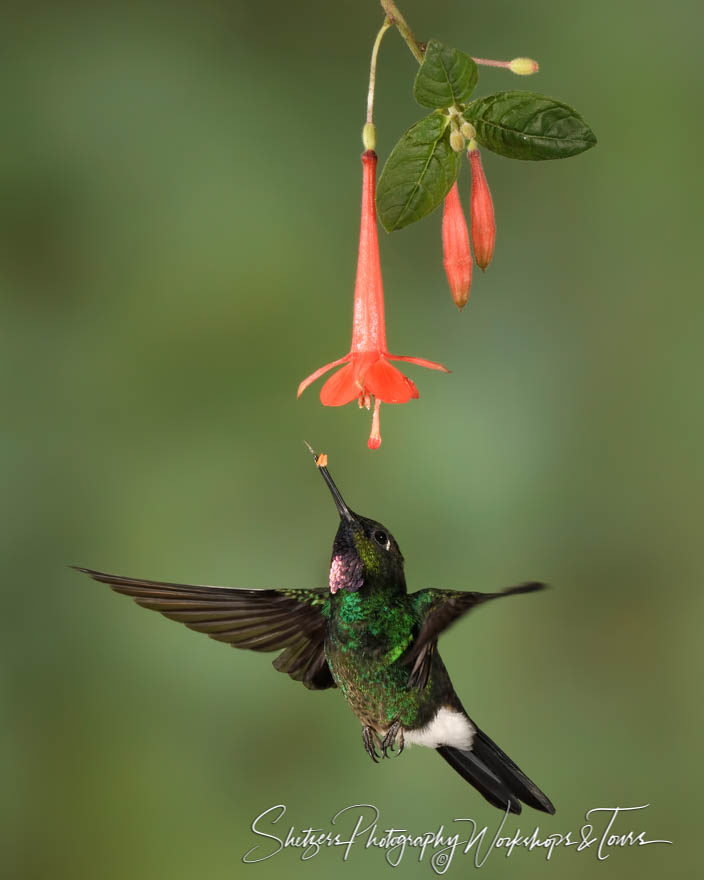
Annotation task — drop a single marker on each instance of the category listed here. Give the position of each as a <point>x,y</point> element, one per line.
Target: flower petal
<point>340,388</point>
<point>318,373</point>
<point>419,362</point>
<point>388,384</point>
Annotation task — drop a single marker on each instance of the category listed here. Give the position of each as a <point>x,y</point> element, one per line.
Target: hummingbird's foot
<point>387,743</point>
<point>401,742</point>
<point>369,740</point>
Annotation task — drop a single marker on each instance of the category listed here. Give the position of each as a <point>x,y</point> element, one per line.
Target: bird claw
<point>369,740</point>
<point>387,743</point>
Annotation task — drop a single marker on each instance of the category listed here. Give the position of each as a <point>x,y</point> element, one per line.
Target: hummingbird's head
<point>364,551</point>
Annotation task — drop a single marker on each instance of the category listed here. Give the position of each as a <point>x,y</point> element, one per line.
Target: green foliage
<point>446,77</point>
<point>518,125</point>
<point>418,174</point>
<point>523,125</point>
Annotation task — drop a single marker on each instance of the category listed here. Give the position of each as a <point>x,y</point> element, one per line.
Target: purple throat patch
<point>345,573</point>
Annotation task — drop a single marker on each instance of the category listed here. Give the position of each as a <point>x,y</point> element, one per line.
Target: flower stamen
<point>374,441</point>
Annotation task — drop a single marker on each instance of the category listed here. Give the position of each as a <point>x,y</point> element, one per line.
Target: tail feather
<point>486,783</point>
<point>495,776</point>
<point>516,780</point>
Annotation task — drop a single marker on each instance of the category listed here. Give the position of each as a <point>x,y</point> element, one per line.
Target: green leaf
<point>418,174</point>
<point>523,125</point>
<point>445,77</point>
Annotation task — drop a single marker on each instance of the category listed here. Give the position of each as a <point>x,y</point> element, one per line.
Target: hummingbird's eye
<point>381,538</point>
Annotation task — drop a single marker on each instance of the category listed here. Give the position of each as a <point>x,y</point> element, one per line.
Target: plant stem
<point>372,69</point>
<point>488,62</point>
<point>396,18</point>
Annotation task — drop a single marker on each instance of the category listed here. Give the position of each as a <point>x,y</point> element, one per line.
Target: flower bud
<point>482,212</point>
<point>457,257</point>
<point>457,141</point>
<point>468,130</point>
<point>523,66</point>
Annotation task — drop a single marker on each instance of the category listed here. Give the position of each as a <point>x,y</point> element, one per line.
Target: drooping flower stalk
<point>372,72</point>
<point>367,373</point>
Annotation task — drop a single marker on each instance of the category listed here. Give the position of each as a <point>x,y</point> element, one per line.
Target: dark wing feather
<point>437,610</point>
<point>261,620</point>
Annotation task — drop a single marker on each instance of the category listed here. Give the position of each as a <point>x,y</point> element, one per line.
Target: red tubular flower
<point>367,372</point>
<point>457,257</point>
<point>483,225</point>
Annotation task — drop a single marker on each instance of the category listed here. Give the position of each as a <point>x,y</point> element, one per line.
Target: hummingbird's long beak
<point>342,508</point>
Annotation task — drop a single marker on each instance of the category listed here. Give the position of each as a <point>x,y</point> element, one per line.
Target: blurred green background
<point>180,203</point>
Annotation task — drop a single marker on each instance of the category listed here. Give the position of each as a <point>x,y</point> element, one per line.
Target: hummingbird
<point>366,635</point>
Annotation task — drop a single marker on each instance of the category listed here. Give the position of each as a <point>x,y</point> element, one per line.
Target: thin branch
<point>396,18</point>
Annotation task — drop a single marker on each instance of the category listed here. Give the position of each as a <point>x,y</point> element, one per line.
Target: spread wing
<point>263,620</point>
<point>437,610</point>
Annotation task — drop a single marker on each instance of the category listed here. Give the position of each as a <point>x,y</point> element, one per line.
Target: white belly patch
<point>448,728</point>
